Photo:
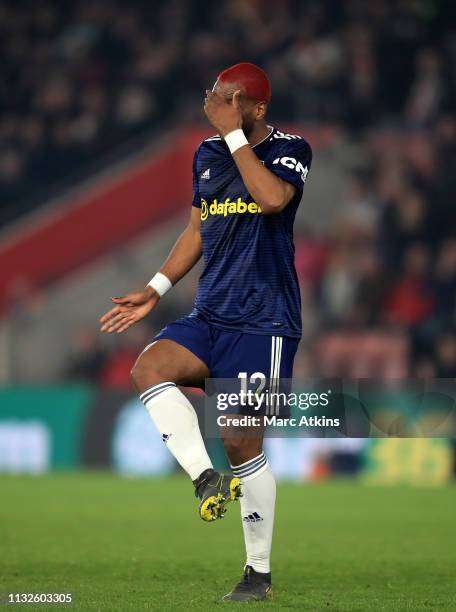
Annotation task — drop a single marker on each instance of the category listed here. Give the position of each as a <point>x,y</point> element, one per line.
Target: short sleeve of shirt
<point>291,162</point>
<point>196,194</point>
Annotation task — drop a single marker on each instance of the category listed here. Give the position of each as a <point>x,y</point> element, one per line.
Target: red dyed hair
<point>251,78</point>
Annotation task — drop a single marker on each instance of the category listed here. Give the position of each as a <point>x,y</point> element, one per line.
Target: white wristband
<point>160,283</point>
<point>235,140</point>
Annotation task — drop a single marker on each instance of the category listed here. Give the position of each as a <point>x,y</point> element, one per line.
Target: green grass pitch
<point>121,544</point>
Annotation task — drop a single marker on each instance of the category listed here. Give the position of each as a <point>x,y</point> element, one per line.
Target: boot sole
<point>214,507</point>
<point>247,598</point>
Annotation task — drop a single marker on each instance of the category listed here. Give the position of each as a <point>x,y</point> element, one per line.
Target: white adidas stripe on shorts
<point>274,375</point>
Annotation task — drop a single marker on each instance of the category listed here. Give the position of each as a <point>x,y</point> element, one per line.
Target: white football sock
<point>176,420</point>
<point>257,510</point>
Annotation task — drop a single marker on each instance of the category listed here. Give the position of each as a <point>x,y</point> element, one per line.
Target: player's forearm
<point>183,256</point>
<point>269,191</point>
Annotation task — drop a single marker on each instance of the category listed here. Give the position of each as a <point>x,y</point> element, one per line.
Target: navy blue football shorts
<point>256,362</point>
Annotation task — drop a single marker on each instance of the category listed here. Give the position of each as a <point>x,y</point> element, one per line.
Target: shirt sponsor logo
<point>228,207</point>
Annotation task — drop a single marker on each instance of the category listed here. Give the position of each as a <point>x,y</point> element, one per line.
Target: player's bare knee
<point>231,446</point>
<point>138,374</point>
<point>240,450</point>
<point>146,373</point>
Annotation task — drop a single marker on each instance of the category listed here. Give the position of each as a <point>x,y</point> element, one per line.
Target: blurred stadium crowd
<point>81,79</point>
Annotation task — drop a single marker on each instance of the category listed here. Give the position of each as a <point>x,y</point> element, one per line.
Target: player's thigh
<point>166,360</point>
<point>256,363</point>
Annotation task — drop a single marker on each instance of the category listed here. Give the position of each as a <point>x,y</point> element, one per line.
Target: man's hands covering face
<point>223,114</point>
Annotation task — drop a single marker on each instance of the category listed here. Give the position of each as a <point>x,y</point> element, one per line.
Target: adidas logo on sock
<point>166,437</point>
<point>252,518</point>
<point>206,175</point>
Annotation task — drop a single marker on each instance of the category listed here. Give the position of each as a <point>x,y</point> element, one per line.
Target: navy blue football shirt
<point>249,282</point>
